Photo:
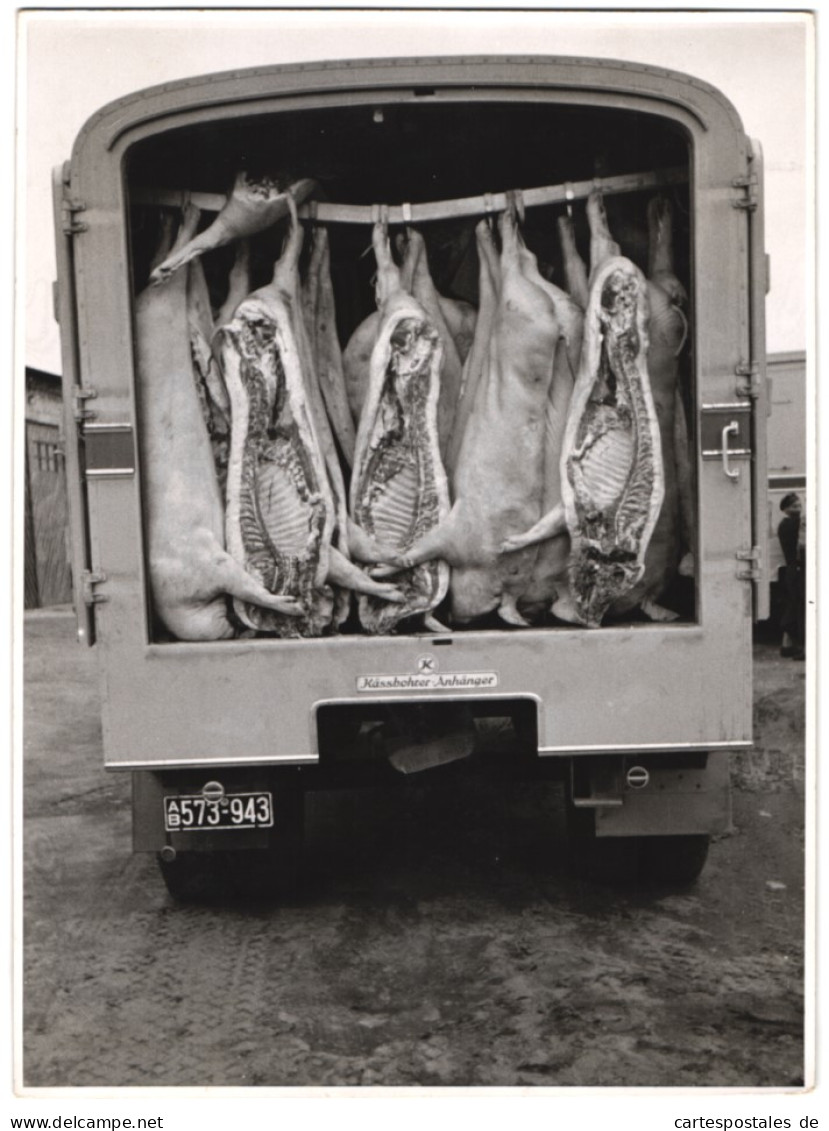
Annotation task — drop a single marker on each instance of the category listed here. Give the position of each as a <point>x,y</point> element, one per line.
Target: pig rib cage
<point>325,212</point>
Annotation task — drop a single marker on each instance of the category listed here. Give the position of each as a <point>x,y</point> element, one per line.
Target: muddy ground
<point>439,940</point>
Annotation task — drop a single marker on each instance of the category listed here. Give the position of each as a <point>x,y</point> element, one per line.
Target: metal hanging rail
<point>325,212</point>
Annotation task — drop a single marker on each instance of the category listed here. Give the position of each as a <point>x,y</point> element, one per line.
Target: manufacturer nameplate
<point>434,681</point>
<point>428,677</point>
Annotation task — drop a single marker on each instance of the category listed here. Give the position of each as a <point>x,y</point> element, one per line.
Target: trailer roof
<point>574,72</point>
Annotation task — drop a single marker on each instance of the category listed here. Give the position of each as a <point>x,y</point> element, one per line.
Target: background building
<point>47,580</point>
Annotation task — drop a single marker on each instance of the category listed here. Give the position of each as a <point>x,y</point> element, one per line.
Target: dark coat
<point>793,619</point>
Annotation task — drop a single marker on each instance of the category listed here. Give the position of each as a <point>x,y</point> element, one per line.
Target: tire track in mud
<point>589,987</point>
<point>328,996</point>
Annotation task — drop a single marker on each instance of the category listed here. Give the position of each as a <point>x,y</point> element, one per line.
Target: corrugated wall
<point>46,481</point>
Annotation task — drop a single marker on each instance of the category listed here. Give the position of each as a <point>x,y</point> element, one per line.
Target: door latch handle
<point>731,429</point>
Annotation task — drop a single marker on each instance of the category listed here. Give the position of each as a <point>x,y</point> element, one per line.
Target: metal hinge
<point>751,387</point>
<point>749,197</point>
<point>754,572</point>
<point>89,579</point>
<point>80,395</point>
<point>69,210</point>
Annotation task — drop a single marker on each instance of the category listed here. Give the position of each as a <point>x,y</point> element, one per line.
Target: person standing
<point>791,534</point>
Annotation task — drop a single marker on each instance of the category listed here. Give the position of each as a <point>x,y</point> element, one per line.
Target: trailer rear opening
<point>453,160</point>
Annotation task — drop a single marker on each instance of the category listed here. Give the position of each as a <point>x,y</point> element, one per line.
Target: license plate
<point>234,811</point>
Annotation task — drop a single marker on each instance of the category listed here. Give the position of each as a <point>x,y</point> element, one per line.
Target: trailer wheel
<point>245,873</point>
<point>673,859</point>
<point>608,860</point>
<point>211,877</point>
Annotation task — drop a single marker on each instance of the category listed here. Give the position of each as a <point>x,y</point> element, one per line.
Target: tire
<point>672,860</point>
<point>245,873</point>
<point>606,860</point>
<point>676,860</point>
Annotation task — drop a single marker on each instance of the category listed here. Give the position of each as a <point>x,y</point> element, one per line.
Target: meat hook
<point>489,209</point>
<point>518,197</point>
<point>185,201</point>
<point>515,204</point>
<point>380,215</point>
<point>293,220</point>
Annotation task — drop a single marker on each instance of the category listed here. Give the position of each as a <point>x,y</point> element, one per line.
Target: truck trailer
<point>634,711</point>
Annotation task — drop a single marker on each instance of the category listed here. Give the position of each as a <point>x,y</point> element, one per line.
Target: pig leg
<point>564,607</point>
<point>661,251</point>
<point>575,272</point>
<point>365,548</point>
<point>657,612</point>
<point>233,579</point>
<point>346,574</point>
<point>251,207</point>
<point>205,241</point>
<point>508,611</point>
<point>548,526</point>
<point>435,543</point>
<point>329,356</point>
<point>424,291</point>
<point>433,624</point>
<point>310,289</point>
<point>602,244</point>
<point>238,283</point>
<point>488,279</point>
<point>166,238</point>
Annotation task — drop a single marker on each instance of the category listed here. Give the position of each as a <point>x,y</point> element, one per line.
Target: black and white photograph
<point>415,526</point>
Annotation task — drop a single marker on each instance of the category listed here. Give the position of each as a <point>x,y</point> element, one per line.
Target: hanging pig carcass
<point>399,491</point>
<point>613,482</point>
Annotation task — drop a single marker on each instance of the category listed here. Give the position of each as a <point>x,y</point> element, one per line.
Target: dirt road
<point>439,940</point>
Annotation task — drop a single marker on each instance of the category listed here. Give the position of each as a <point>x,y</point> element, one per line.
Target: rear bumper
<point>669,794</point>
